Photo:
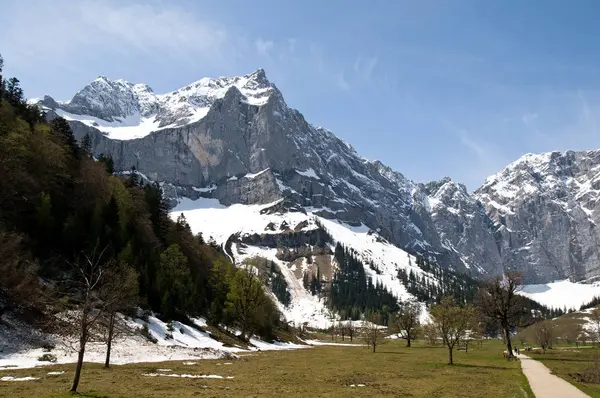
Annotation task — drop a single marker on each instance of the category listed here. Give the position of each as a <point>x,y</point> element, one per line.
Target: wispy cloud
<point>341,81</point>
<point>478,150</point>
<point>263,46</point>
<point>529,118</point>
<point>364,67</point>
<point>60,30</point>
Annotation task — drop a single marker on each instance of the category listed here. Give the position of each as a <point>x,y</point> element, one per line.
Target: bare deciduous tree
<point>452,322</point>
<point>120,292</point>
<point>100,288</point>
<point>498,300</point>
<point>90,274</point>
<point>350,329</point>
<point>341,327</point>
<point>544,333</point>
<point>406,321</point>
<point>430,333</point>
<point>595,320</point>
<point>372,330</point>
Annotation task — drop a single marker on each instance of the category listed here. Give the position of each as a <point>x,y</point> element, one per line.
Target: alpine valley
<point>254,177</point>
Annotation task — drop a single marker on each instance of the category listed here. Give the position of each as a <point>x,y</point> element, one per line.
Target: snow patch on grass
<point>12,378</point>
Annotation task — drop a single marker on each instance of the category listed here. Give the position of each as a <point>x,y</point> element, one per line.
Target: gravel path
<point>546,385</point>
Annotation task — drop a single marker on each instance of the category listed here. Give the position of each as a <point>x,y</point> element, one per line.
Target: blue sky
<point>431,88</point>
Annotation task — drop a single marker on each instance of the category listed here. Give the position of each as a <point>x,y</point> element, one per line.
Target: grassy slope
<point>321,371</point>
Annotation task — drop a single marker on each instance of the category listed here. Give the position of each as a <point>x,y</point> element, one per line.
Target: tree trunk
<point>243,331</point>
<point>509,348</point>
<point>408,339</point>
<point>450,361</point>
<point>111,326</point>
<point>374,347</point>
<point>82,341</point>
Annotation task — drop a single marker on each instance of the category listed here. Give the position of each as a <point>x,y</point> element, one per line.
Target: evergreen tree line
<point>440,282</point>
<point>279,285</point>
<point>461,287</point>
<point>313,282</point>
<point>58,203</point>
<point>352,293</point>
<point>592,303</point>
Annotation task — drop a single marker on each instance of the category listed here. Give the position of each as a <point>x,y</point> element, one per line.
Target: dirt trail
<point>546,385</point>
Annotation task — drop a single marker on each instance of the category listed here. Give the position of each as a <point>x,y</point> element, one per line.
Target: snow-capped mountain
<point>235,141</point>
<point>125,111</point>
<point>546,210</point>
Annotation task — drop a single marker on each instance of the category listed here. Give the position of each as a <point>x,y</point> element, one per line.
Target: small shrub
<point>168,336</point>
<point>47,358</point>
<point>48,347</point>
<point>145,316</point>
<point>181,330</point>
<point>170,327</point>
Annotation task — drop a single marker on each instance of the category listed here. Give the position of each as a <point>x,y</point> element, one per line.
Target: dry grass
<point>324,371</point>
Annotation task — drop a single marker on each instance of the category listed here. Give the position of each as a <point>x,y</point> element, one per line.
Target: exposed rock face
<point>545,209</point>
<point>463,225</point>
<point>236,140</point>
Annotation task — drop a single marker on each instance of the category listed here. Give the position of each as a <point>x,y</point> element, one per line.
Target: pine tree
<point>86,144</point>
<point>108,163</point>
<point>61,128</point>
<point>14,92</point>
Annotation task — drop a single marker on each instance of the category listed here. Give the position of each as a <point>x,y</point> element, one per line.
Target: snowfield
<point>563,293</point>
<point>213,220</point>
<point>182,343</point>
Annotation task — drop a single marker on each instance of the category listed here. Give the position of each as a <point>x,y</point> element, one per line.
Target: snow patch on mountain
<point>126,111</point>
<point>218,222</point>
<point>562,293</point>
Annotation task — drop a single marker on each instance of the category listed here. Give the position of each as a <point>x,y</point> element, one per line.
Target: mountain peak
<point>107,104</point>
<point>259,74</point>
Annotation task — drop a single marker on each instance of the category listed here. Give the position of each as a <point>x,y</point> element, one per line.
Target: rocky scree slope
<point>237,141</point>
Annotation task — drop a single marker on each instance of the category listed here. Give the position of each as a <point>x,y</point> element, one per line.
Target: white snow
<point>56,373</point>
<point>205,189</point>
<point>562,293</point>
<point>184,106</point>
<point>253,175</point>
<point>317,342</point>
<point>209,217</point>
<point>130,128</point>
<point>279,346</point>
<point>12,378</point>
<point>187,343</point>
<point>308,173</point>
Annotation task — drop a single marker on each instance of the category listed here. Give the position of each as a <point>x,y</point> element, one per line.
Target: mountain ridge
<point>221,133</point>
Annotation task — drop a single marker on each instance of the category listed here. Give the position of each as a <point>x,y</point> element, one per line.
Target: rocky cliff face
<point>236,140</point>
<point>545,210</point>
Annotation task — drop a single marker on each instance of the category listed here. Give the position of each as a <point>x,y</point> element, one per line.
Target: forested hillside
<point>65,219</point>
